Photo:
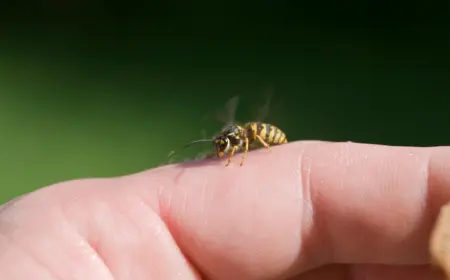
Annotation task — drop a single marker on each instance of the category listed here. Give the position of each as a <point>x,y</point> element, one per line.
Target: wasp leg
<point>263,142</point>
<point>231,155</point>
<point>245,151</point>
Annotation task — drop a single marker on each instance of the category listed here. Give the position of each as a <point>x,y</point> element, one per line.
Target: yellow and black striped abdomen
<point>271,134</point>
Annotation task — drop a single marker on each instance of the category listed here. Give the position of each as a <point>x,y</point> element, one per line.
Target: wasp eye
<point>222,143</point>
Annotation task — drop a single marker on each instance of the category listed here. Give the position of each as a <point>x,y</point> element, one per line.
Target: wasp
<point>235,138</point>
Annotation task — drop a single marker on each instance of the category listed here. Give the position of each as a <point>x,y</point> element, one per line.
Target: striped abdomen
<point>271,134</point>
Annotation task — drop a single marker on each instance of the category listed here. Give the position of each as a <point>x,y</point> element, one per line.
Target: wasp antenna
<point>196,141</point>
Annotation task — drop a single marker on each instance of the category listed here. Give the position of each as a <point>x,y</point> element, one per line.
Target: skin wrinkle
<point>422,208</point>
<point>91,263</point>
<point>422,211</point>
<point>164,202</point>
<point>204,201</point>
<point>319,253</point>
<point>321,225</point>
<point>26,254</point>
<point>99,209</point>
<point>165,206</point>
<point>124,213</point>
<point>125,217</point>
<point>302,189</point>
<point>390,166</point>
<point>37,260</point>
<point>59,223</point>
<point>97,243</point>
<point>184,203</point>
<point>306,226</point>
<point>166,212</point>
<point>178,176</point>
<point>163,187</point>
<point>90,249</point>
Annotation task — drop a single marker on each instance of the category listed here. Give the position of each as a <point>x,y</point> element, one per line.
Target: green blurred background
<point>109,88</point>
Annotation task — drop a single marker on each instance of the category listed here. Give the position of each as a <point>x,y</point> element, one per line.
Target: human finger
<point>305,205</point>
<point>282,213</point>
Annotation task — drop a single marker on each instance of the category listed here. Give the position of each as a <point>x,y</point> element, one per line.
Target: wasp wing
<point>261,113</point>
<point>268,112</point>
<point>227,115</point>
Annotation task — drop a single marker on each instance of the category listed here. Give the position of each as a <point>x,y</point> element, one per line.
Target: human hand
<point>308,210</point>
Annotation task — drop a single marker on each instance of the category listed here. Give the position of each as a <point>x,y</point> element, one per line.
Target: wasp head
<point>221,144</point>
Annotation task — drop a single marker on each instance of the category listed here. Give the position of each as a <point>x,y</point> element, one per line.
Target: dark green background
<point>110,88</point>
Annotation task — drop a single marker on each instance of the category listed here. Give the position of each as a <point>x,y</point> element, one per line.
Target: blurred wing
<point>278,114</point>
<point>227,115</point>
<point>262,112</point>
<point>271,111</point>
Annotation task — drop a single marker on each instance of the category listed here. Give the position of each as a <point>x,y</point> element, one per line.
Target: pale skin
<point>308,210</point>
